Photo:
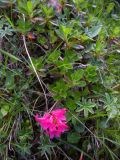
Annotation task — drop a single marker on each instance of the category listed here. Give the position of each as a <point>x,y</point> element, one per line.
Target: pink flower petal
<point>53,123</point>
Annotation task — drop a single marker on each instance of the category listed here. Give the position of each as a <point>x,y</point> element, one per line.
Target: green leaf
<point>78,1</point>
<point>77,75</point>
<point>60,89</point>
<point>103,124</point>
<point>71,56</point>
<point>10,55</point>
<point>64,65</point>
<point>64,31</point>
<point>10,84</point>
<point>30,6</point>
<point>42,40</point>
<point>116,31</point>
<point>10,21</point>
<point>73,137</point>
<point>94,31</point>
<point>110,7</point>
<point>54,56</point>
<point>70,104</point>
<point>53,37</point>
<point>7,30</point>
<point>82,83</point>
<point>91,74</point>
<point>4,110</point>
<point>79,128</point>
<point>23,27</point>
<point>48,11</point>
<point>76,78</point>
<point>86,106</point>
<point>38,63</point>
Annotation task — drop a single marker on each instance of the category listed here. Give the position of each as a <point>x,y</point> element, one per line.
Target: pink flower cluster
<point>53,123</point>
